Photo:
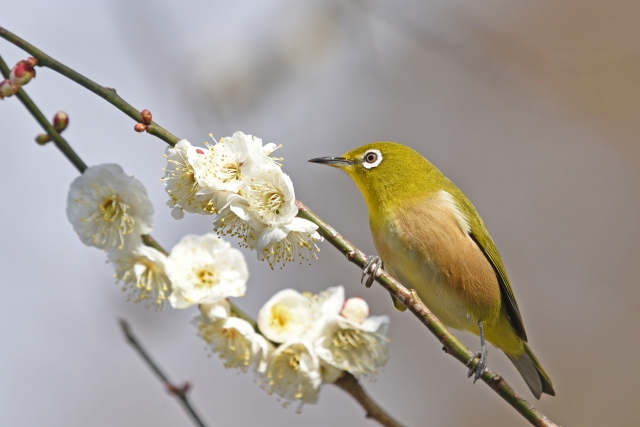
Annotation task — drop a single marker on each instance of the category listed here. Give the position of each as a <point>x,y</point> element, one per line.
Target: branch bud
<point>140,127</point>
<point>32,62</point>
<point>180,391</point>
<point>146,117</point>
<point>7,88</point>
<point>42,139</point>
<point>60,121</point>
<point>22,73</point>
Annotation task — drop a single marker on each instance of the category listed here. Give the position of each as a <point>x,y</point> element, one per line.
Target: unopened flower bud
<point>355,309</point>
<point>7,88</point>
<point>22,73</point>
<point>140,127</point>
<point>60,121</point>
<point>146,117</point>
<point>32,62</point>
<point>42,139</point>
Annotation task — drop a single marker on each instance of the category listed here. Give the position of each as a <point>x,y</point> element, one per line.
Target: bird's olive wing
<point>490,251</point>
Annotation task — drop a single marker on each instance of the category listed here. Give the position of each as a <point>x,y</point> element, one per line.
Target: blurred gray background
<point>531,107</point>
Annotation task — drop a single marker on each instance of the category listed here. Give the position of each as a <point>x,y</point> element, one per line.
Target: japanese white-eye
<point>431,238</point>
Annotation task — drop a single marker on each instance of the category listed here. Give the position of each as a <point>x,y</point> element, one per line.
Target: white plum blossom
<point>292,315</point>
<point>284,243</point>
<point>270,195</point>
<point>237,180</point>
<point>297,320</point>
<point>180,181</point>
<point>108,208</point>
<point>293,372</point>
<point>320,336</point>
<point>287,315</point>
<point>342,333</point>
<point>354,342</point>
<point>232,338</point>
<point>205,269</point>
<point>233,219</point>
<point>271,210</point>
<point>142,271</point>
<point>227,163</point>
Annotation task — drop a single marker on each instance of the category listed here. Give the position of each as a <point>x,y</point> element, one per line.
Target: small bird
<point>431,238</point>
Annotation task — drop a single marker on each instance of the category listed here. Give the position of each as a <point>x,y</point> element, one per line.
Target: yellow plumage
<point>431,238</point>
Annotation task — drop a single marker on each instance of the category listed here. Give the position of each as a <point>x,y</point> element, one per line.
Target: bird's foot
<point>481,366</point>
<point>371,267</point>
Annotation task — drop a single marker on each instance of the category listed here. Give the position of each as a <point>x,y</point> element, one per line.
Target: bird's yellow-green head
<point>387,173</point>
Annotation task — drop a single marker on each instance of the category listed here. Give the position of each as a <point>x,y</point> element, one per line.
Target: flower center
<point>148,283</point>
<point>231,172</point>
<point>294,359</point>
<point>207,277</point>
<point>230,333</point>
<point>111,221</point>
<point>351,338</point>
<point>112,209</point>
<point>267,199</point>
<point>281,317</point>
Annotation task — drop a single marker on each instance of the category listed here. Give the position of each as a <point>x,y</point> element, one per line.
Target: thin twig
<point>108,94</point>
<point>48,127</point>
<point>351,385</point>
<point>179,392</point>
<point>451,343</point>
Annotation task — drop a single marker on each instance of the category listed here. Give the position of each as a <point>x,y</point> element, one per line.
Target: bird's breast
<point>423,243</point>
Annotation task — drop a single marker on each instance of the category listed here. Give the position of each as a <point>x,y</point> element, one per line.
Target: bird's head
<point>386,172</point>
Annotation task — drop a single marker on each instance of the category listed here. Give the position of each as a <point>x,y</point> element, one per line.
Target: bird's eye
<point>371,159</point>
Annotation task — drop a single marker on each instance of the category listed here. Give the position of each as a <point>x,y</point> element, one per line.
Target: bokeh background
<point>532,108</point>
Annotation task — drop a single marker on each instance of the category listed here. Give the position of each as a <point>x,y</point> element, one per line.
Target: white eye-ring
<point>371,159</point>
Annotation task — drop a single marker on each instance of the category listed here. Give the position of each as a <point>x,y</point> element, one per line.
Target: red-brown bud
<point>22,73</point>
<point>32,62</point>
<point>140,127</point>
<point>146,117</point>
<point>7,88</point>
<point>180,391</point>
<point>42,139</point>
<point>60,121</point>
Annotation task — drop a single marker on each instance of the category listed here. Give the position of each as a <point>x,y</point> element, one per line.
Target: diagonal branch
<point>179,392</point>
<point>450,342</point>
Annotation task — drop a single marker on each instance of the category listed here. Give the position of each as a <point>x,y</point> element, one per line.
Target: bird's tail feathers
<point>533,373</point>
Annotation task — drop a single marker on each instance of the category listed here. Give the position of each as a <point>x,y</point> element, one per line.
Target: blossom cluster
<point>312,339</point>
<point>300,340</point>
<point>19,76</point>
<point>111,211</point>
<point>239,182</point>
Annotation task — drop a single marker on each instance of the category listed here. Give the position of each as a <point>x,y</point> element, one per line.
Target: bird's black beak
<point>332,161</point>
